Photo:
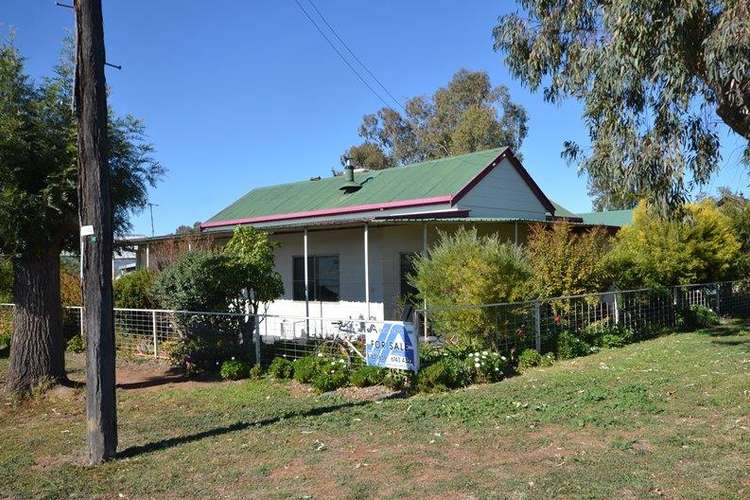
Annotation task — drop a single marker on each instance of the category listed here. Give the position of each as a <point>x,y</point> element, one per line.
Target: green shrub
<point>529,358</point>
<point>202,281</point>
<point>705,317</point>
<point>234,369</point>
<point>447,373</point>
<point>547,360</point>
<point>699,316</point>
<point>366,376</point>
<point>567,263</point>
<point>603,334</point>
<point>6,280</point>
<point>281,368</point>
<point>486,366</point>
<point>569,346</point>
<point>398,380</point>
<point>135,290</point>
<point>4,342</point>
<point>613,340</point>
<point>331,375</point>
<point>465,268</point>
<point>256,372</point>
<point>76,344</point>
<point>306,368</point>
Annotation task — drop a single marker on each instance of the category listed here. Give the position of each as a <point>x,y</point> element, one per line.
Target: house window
<point>406,268</point>
<point>322,276</point>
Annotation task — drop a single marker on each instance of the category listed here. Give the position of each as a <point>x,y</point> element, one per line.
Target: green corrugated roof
<point>617,218</point>
<point>561,211</point>
<point>442,177</point>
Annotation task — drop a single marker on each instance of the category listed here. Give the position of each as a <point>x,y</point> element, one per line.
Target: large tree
<point>656,77</point>
<point>467,115</point>
<point>39,203</point>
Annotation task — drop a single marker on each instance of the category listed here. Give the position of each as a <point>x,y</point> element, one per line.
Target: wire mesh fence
<point>509,326</point>
<point>155,332</point>
<point>539,324</point>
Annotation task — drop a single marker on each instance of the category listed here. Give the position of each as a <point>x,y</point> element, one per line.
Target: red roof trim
<point>521,171</point>
<point>331,211</point>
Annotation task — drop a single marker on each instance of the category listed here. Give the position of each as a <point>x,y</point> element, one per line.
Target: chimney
<point>350,185</point>
<point>349,169</point>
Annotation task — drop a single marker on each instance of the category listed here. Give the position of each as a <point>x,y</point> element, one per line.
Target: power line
<point>354,55</point>
<point>336,49</point>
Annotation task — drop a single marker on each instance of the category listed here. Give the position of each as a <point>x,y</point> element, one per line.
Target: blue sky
<point>243,94</point>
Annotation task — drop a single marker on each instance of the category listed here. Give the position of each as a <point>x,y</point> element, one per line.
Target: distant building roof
<point>616,218</point>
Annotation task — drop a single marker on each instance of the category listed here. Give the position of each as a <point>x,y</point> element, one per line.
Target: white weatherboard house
<point>357,233</point>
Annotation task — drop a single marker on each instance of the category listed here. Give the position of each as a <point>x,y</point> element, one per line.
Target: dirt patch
<point>145,374</point>
<point>366,393</point>
<point>298,389</point>
<point>54,462</point>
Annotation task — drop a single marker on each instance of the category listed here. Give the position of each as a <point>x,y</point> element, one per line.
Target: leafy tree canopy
<point>656,78</point>
<point>184,229</point>
<point>252,254</point>
<point>467,115</point>
<point>38,167</point>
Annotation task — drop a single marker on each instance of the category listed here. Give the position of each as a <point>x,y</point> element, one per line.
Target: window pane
<point>323,278</point>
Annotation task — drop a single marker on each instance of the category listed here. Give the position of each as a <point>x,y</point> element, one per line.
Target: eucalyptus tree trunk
<point>37,352</point>
<point>95,209</point>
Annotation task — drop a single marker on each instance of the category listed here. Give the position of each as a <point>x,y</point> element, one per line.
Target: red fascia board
<point>521,171</point>
<point>418,202</point>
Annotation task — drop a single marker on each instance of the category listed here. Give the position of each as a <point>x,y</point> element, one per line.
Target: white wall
<point>503,193</point>
<point>386,245</point>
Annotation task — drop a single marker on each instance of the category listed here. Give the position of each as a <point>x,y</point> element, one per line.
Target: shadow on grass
<point>163,444</point>
<point>729,329</point>
<point>172,376</point>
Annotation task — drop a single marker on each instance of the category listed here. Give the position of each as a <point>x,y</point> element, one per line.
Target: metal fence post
<point>257,339</point>
<point>717,286</point>
<point>153,330</point>
<point>537,327</point>
<point>616,308</point>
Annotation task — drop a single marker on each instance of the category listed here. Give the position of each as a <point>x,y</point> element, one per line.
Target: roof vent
<point>350,185</point>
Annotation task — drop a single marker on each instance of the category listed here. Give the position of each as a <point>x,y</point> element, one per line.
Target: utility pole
<point>95,215</point>
<point>151,211</point>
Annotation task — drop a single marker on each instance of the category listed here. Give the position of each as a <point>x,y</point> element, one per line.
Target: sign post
<point>394,345</point>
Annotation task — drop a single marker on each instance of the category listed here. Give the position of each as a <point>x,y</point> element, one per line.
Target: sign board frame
<point>394,345</point>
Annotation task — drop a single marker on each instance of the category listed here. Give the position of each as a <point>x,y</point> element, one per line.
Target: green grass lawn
<point>667,417</point>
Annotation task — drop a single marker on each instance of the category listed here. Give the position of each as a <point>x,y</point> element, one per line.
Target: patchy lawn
<point>669,417</point>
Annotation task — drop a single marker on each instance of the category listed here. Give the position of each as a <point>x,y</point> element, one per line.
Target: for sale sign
<point>393,346</point>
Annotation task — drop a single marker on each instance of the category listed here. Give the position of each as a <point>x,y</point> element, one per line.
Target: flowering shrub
<point>331,375</point>
<point>699,316</point>
<point>569,346</point>
<point>305,368</point>
<point>547,360</point>
<point>486,366</point>
<point>281,368</point>
<point>234,369</point>
<point>366,376</point>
